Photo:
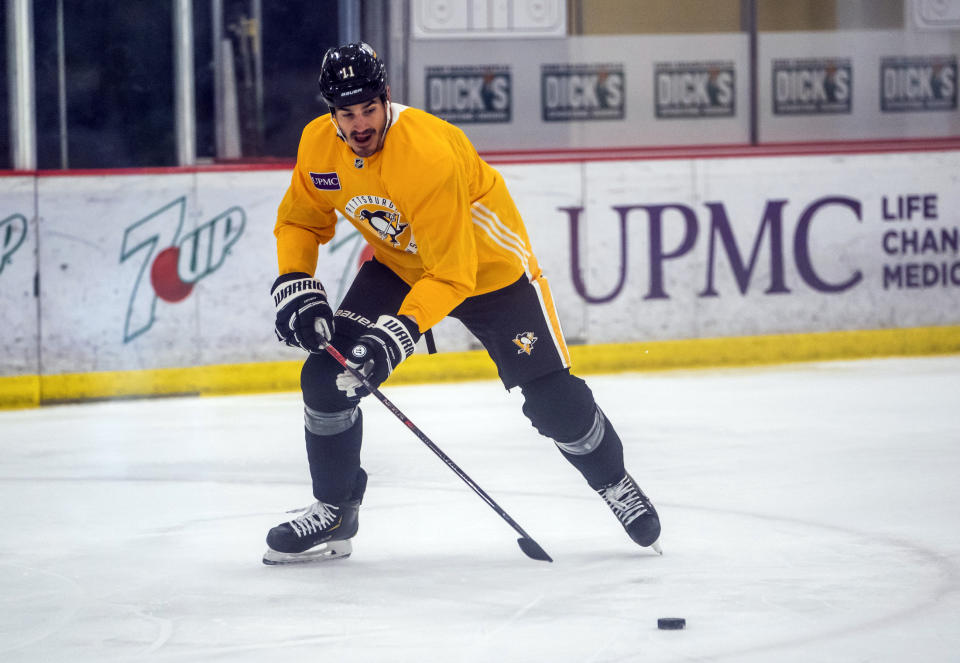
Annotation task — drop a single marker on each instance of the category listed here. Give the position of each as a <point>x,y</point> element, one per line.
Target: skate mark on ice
<point>16,600</point>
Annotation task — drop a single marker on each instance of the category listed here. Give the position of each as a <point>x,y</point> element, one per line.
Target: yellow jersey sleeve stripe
<point>503,241</point>
<point>497,239</point>
<point>504,229</point>
<point>497,226</point>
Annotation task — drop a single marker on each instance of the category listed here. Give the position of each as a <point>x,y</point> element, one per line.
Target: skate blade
<point>323,553</point>
<point>656,547</point>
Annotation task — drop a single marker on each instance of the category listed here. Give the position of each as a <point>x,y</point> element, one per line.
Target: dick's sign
<point>812,86</point>
<point>694,89</point>
<point>582,92</point>
<point>469,93</point>
<point>921,83</point>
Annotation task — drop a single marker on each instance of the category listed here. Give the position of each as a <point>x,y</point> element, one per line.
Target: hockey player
<point>448,241</point>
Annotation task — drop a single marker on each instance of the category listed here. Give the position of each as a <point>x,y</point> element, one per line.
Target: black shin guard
<point>335,458</point>
<point>561,407</point>
<point>334,428</point>
<point>603,465</point>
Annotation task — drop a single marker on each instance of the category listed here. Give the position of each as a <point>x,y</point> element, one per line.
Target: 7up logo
<point>171,263</point>
<point>13,230</point>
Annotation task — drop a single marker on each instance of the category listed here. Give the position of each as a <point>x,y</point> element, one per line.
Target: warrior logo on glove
<point>304,319</point>
<point>377,353</point>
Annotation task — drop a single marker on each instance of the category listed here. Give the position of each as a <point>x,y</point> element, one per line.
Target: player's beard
<point>367,147</point>
<point>374,143</point>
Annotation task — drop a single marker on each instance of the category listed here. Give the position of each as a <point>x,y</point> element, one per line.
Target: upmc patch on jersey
<point>326,181</point>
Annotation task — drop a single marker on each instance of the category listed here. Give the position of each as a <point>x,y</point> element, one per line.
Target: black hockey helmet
<point>351,74</point>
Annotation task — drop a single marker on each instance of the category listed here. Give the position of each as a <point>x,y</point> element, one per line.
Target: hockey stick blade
<point>533,550</point>
<point>529,547</point>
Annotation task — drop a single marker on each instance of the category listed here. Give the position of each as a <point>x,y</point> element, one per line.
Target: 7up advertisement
<point>175,259</point>
<point>145,271</point>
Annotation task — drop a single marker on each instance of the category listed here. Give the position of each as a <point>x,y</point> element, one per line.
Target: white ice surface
<point>810,513</point>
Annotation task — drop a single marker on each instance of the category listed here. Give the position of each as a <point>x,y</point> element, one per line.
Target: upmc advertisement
<point>128,272</point>
<point>657,250</point>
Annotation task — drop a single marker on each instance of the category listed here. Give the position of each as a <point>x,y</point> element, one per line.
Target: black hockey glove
<point>304,318</point>
<point>378,352</point>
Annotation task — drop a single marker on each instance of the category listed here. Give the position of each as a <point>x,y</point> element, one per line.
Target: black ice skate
<point>634,511</point>
<point>322,533</point>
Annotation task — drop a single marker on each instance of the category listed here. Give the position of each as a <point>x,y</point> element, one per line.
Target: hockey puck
<point>671,623</point>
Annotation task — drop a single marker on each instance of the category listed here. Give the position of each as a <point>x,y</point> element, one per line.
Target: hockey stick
<point>529,547</point>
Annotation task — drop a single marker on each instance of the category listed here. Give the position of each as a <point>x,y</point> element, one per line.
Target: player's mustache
<point>362,134</point>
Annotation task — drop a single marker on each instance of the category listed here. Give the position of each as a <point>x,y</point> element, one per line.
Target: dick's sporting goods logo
<point>922,83</point>
<point>812,86</point>
<point>13,232</point>
<point>173,261</point>
<point>582,92</point>
<point>469,94</point>
<point>694,89</point>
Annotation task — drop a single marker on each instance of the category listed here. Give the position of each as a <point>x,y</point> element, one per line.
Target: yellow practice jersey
<point>433,210</point>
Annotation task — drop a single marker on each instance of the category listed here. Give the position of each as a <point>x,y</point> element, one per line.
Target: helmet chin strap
<point>386,126</point>
<point>337,127</point>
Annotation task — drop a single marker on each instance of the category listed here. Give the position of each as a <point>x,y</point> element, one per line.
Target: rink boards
<point>133,283</point>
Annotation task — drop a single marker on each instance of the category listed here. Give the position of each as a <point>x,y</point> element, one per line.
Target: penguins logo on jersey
<point>525,342</point>
<point>387,224</point>
<point>382,216</point>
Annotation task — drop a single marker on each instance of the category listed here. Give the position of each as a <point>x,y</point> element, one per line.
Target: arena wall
<point>116,284</point>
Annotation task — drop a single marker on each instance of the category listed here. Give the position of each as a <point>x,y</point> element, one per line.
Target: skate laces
<point>626,501</point>
<point>316,517</point>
